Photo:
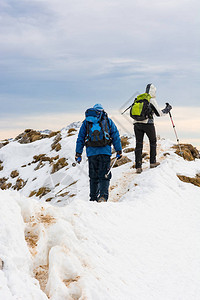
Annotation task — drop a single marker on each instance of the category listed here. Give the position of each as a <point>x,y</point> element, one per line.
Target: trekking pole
<point>106,176</point>
<point>175,132</point>
<point>126,109</point>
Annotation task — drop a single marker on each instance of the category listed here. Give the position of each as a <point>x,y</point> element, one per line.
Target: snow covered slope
<point>142,244</point>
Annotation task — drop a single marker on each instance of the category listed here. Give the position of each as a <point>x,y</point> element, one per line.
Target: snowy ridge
<point>75,125</point>
<point>142,244</point>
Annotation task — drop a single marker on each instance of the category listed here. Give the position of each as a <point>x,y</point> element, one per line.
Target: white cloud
<point>131,40</point>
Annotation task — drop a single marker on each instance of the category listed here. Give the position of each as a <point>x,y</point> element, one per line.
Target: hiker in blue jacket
<point>97,133</point>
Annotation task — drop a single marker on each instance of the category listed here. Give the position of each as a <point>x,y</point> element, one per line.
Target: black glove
<point>167,109</point>
<point>119,154</point>
<point>78,157</point>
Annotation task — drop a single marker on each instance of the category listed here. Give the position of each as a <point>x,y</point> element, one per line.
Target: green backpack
<point>141,107</point>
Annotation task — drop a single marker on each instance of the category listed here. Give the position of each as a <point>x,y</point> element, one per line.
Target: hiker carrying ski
<point>97,133</point>
<point>142,111</point>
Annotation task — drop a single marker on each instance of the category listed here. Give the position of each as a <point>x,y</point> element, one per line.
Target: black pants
<point>140,129</point>
<point>98,167</point>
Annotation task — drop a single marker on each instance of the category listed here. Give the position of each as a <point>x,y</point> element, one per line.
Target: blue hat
<point>98,107</point>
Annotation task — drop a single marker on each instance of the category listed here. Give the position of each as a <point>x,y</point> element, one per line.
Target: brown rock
<point>20,183</point>
<point>53,133</point>
<point>4,143</point>
<point>54,158</point>
<point>188,152</point>
<point>195,181</point>
<point>144,154</point>
<point>30,136</point>
<point>32,193</point>
<point>6,186</point>
<point>36,137</point>
<point>71,130</point>
<point>127,150</point>
<point>58,138</point>
<point>121,161</point>
<point>3,180</point>
<point>14,174</point>
<point>1,167</point>
<point>166,153</point>
<point>124,141</point>
<point>56,147</point>
<point>49,199</point>
<point>42,191</point>
<point>39,166</point>
<point>37,158</point>
<point>1,264</point>
<point>61,163</point>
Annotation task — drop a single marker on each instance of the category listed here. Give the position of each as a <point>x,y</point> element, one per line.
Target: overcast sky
<point>62,56</point>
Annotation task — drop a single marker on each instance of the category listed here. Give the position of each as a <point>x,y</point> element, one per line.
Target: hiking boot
<point>154,165</point>
<point>102,199</point>
<point>139,170</point>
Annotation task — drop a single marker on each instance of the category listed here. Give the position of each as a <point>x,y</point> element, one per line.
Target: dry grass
<point>195,181</point>
<point>14,174</point>
<point>57,147</point>
<point>53,133</point>
<point>46,219</point>
<point>71,132</point>
<point>42,191</point>
<point>32,193</point>
<point>188,152</point>
<point>121,161</point>
<point>41,274</point>
<point>32,238</point>
<point>128,150</point>
<point>144,154</point>
<point>67,282</point>
<point>20,183</point>
<point>124,141</point>
<point>61,163</point>
<point>49,199</point>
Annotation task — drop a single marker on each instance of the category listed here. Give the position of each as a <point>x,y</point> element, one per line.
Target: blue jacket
<point>90,151</point>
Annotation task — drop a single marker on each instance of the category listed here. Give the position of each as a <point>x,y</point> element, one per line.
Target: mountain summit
<point>55,244</point>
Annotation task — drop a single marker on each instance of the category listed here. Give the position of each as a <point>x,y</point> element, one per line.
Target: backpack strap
<point>107,123</point>
<point>108,126</point>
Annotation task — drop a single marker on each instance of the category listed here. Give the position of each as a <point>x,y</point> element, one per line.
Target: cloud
<point>84,50</point>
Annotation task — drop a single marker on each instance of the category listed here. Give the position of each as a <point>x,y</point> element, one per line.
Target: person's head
<point>98,107</point>
<point>151,90</point>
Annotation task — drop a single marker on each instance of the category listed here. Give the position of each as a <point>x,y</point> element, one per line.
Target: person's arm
<point>114,133</point>
<point>155,108</point>
<point>80,143</point>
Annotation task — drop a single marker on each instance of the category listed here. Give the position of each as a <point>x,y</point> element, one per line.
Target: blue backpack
<point>98,128</point>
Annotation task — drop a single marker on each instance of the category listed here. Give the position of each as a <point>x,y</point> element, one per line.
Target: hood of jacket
<point>98,107</point>
<point>151,90</point>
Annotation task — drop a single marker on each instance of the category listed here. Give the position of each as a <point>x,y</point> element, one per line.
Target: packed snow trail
<point>127,174</point>
<point>144,247</point>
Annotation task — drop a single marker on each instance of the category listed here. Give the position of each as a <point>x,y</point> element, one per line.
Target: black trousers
<point>99,165</point>
<point>140,129</point>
